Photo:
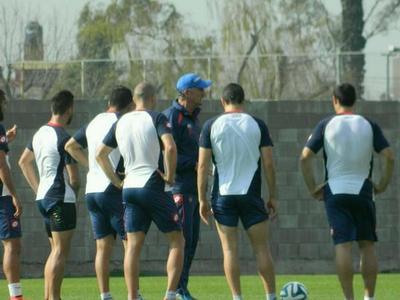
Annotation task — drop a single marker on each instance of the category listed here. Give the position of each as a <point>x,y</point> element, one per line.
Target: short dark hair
<point>120,97</point>
<point>233,93</point>
<point>61,102</point>
<point>345,93</point>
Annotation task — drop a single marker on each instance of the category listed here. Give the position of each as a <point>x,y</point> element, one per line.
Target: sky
<point>195,11</point>
<point>47,12</point>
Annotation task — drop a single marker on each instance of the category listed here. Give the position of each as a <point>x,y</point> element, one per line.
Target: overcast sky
<point>194,10</point>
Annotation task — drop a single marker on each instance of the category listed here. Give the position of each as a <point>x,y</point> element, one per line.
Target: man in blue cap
<point>183,117</point>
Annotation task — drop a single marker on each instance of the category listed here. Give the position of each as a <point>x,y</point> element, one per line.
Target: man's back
<point>48,147</point>
<point>235,140</point>
<point>348,141</point>
<point>137,134</point>
<point>96,130</point>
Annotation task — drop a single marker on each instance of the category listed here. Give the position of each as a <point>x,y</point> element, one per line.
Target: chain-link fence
<point>272,77</point>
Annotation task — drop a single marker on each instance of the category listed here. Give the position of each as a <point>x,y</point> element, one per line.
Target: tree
<point>355,33</point>
<point>266,38</point>
<point>147,33</point>
<point>288,49</point>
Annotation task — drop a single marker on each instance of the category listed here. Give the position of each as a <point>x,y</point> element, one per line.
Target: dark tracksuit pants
<point>188,208</point>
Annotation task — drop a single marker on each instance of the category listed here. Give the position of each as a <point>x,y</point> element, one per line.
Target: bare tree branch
<point>371,12</point>
<point>254,41</point>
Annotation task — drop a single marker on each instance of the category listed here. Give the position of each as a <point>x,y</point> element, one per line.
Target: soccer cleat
<point>184,295</point>
<point>17,298</point>
<point>140,297</point>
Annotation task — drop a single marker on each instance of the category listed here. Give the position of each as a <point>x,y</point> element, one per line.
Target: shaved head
<point>144,91</point>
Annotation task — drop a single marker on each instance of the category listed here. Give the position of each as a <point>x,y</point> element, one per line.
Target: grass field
<point>320,287</point>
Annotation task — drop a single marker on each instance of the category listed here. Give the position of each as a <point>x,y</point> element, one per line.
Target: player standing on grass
<point>185,125</point>
<point>10,211</point>
<point>239,146</point>
<point>103,199</point>
<point>348,141</point>
<point>141,135</point>
<point>55,193</point>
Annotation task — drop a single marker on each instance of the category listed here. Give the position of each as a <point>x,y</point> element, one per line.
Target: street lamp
<point>391,50</point>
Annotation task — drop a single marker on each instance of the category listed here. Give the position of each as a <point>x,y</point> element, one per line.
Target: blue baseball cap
<point>192,80</point>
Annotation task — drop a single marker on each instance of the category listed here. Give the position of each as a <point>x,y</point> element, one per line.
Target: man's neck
<point>112,109</point>
<point>141,106</point>
<point>230,108</point>
<point>58,120</point>
<point>344,110</point>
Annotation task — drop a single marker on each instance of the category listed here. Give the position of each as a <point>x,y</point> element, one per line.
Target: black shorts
<point>60,217</point>
<point>351,217</point>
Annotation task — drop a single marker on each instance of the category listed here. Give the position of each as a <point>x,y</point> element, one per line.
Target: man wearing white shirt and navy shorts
<point>141,137</point>
<point>56,191</point>
<point>348,141</point>
<point>240,147</point>
<point>103,199</point>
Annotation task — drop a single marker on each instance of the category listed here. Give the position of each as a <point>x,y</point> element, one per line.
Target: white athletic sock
<point>369,298</point>
<point>237,297</point>
<point>170,295</point>
<point>15,289</point>
<point>106,296</point>
<point>270,296</point>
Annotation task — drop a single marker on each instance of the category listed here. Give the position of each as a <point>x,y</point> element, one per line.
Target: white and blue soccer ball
<point>293,291</point>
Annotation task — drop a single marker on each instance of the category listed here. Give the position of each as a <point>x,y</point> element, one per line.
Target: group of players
<point>145,166</point>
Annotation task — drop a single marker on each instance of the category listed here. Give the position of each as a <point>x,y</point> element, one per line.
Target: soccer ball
<point>293,291</point>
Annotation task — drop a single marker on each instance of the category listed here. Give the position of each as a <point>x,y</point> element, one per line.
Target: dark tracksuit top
<point>186,132</point>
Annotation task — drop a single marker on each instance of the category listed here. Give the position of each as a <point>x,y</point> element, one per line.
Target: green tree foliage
<point>289,47</point>
<point>149,34</point>
<point>270,35</point>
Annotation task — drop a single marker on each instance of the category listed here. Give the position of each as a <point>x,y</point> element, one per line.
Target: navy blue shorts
<point>351,217</point>
<point>229,209</point>
<point>60,217</point>
<point>106,213</point>
<point>145,205</point>
<point>10,227</point>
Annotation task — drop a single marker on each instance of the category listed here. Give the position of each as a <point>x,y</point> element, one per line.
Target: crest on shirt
<point>176,218</point>
<point>3,139</point>
<point>14,224</point>
<point>168,125</point>
<point>178,199</point>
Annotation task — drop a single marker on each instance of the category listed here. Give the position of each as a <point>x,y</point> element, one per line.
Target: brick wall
<point>300,238</point>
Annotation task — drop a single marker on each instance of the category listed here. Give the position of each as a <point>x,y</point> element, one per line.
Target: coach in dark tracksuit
<point>186,132</point>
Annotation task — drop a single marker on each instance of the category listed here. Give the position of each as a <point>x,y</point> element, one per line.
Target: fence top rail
<point>27,63</point>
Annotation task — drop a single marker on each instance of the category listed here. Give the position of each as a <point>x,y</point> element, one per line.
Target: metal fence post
<point>209,75</point>
<point>22,91</point>
<point>388,76</point>
<point>338,66</point>
<point>83,78</point>
<point>144,70</point>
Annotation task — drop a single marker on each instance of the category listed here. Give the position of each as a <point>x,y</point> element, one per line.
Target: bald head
<point>144,92</point>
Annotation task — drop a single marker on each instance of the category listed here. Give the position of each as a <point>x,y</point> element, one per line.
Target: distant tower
<point>33,45</point>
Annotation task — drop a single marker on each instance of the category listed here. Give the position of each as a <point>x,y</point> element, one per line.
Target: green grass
<point>320,287</point>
